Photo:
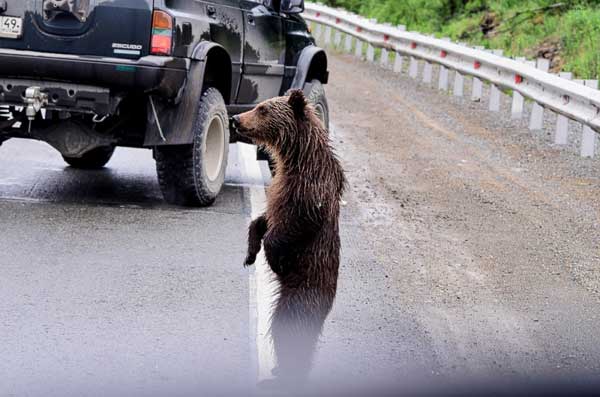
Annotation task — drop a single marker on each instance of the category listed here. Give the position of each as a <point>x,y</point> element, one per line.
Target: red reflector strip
<point>413,45</point>
<point>386,37</point>
<point>443,54</point>
<point>477,65</point>
<point>318,14</point>
<point>518,79</point>
<point>358,29</point>
<point>337,20</point>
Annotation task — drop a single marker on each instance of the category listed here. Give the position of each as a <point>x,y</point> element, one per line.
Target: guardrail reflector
<point>518,79</point>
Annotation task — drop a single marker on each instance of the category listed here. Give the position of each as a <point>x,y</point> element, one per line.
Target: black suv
<point>88,75</point>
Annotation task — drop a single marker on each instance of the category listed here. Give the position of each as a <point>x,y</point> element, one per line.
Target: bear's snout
<point>235,122</point>
<point>238,131</point>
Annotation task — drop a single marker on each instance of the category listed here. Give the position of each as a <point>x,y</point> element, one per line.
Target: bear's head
<point>275,122</point>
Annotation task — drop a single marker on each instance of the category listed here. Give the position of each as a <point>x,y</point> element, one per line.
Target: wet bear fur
<point>299,230</point>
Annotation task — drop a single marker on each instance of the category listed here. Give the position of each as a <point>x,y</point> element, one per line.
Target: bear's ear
<point>298,102</point>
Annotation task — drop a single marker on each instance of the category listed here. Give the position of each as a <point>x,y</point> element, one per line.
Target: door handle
<point>211,11</point>
<point>251,19</point>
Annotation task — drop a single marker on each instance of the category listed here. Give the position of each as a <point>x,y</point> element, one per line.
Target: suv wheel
<point>317,97</point>
<point>92,160</point>
<point>193,175</point>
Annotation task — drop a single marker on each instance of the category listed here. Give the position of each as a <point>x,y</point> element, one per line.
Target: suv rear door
<point>108,28</point>
<point>264,52</point>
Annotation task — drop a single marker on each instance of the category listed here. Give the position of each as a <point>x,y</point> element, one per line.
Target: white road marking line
<point>332,131</point>
<point>54,169</point>
<point>262,286</point>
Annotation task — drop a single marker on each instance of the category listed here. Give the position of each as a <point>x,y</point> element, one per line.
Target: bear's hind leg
<point>295,328</point>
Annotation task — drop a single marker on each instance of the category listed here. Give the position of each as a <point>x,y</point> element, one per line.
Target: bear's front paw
<point>250,260</point>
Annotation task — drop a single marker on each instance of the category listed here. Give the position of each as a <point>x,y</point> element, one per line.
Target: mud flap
<point>176,120</point>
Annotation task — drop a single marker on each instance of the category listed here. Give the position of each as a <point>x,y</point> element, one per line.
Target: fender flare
<point>208,61</point>
<point>200,52</point>
<point>312,64</point>
<point>209,49</point>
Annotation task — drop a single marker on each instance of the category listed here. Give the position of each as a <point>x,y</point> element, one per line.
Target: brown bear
<point>300,229</point>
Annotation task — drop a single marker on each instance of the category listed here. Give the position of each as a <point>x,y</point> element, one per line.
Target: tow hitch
<point>35,100</point>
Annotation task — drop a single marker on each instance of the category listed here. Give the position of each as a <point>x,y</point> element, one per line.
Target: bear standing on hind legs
<point>299,230</point>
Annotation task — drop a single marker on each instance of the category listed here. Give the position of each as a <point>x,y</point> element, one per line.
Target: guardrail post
<point>561,136</point>
<point>318,31</point>
<point>370,53</point>
<point>348,43</point>
<point>516,111</point>
<point>443,79</point>
<point>459,82</point>
<point>588,137</point>
<point>494,90</point>
<point>413,69</point>
<point>358,49</point>
<point>337,40</point>
<point>398,63</point>
<point>477,87</point>
<point>327,39</point>
<point>537,112</point>
<point>384,61</point>
<point>427,73</point>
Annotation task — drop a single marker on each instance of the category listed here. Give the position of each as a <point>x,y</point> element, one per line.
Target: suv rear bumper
<point>164,76</point>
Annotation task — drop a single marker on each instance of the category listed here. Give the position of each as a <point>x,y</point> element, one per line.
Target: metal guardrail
<point>577,100</point>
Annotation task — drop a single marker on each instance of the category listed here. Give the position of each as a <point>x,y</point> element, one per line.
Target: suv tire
<point>193,175</point>
<point>92,160</point>
<point>317,98</point>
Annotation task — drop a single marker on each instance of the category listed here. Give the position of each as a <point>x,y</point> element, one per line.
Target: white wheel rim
<point>320,112</point>
<point>213,148</point>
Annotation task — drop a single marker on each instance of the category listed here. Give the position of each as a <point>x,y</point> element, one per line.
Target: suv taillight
<point>162,33</point>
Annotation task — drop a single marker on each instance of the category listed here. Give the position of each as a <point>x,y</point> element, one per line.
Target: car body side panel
<point>219,21</point>
<point>297,40</point>
<point>264,53</point>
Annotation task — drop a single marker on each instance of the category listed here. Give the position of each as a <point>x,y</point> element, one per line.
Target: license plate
<point>11,27</point>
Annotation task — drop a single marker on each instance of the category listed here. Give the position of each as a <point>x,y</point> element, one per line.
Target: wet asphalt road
<point>470,252</point>
<point>107,289</point>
